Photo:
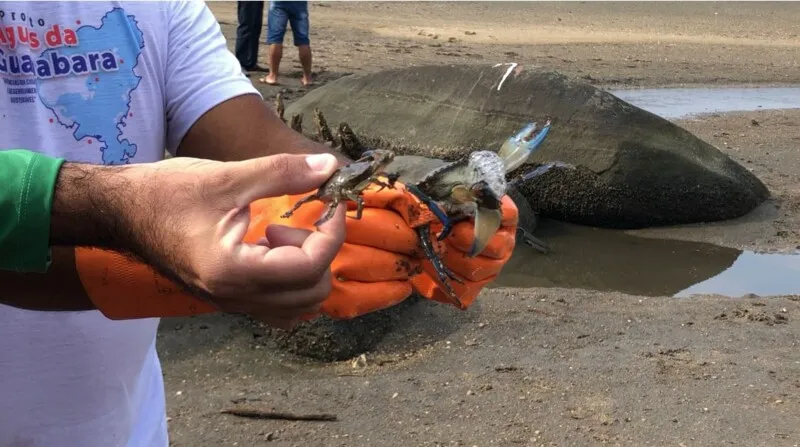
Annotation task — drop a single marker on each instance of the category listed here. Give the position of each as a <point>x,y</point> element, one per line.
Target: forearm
<point>245,127</point>
<point>91,205</point>
<point>84,207</point>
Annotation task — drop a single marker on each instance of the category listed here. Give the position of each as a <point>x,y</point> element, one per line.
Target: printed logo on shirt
<point>83,74</point>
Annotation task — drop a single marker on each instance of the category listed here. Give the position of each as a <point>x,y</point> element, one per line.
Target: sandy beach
<point>539,366</point>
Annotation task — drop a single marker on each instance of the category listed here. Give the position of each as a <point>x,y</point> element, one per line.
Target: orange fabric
<point>475,272</point>
<point>378,266</point>
<point>373,266</point>
<point>123,289</point>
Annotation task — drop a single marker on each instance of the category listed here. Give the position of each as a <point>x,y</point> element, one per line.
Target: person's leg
<point>250,15</point>
<point>304,51</point>
<point>300,29</point>
<point>276,29</point>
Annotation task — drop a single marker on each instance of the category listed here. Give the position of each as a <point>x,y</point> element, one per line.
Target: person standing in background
<point>295,13</point>
<point>251,20</point>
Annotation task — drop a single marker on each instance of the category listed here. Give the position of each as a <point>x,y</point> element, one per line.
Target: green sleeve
<point>27,184</point>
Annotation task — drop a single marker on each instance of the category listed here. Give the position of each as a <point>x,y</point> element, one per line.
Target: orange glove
<point>475,272</point>
<point>372,269</point>
<point>371,272</point>
<point>124,289</point>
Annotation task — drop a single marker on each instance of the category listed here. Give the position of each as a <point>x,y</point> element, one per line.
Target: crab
<point>473,187</point>
<point>348,182</point>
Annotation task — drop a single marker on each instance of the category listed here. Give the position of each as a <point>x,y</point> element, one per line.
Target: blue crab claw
<point>517,149</point>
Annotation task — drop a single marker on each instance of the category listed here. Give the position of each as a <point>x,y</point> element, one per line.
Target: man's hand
<point>373,267</point>
<point>188,218</point>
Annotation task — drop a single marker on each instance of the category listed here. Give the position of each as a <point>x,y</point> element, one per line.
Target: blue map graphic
<point>98,108</point>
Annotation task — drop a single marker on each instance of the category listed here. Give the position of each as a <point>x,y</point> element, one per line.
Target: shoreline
<point>701,85</point>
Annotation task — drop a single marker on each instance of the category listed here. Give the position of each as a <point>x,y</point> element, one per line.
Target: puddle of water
<point>608,260</point>
<point>673,103</point>
<point>765,274</point>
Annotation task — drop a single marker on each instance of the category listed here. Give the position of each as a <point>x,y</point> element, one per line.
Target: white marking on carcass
<point>511,67</point>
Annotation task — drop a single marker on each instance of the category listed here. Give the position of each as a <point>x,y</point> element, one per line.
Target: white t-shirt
<point>112,83</point>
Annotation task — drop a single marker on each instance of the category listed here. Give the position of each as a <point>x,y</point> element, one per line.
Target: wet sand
<point>541,366</point>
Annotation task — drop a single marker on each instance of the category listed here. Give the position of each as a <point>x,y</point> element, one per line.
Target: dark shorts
<point>295,13</point>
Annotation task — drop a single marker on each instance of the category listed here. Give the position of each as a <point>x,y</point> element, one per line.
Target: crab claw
<point>488,217</point>
<point>516,150</point>
<point>487,222</point>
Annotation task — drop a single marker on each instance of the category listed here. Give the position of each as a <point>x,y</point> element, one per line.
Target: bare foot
<point>270,79</point>
<point>307,81</point>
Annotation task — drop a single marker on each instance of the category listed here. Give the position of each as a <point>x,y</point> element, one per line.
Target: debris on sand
<point>255,413</point>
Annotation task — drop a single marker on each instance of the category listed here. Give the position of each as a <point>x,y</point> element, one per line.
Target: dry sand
<point>541,366</point>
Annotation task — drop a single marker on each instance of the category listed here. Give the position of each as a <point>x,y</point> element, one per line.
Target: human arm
<point>191,92</point>
<point>188,220</point>
<point>32,275</point>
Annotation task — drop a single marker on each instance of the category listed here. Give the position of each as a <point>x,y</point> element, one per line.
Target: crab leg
<point>298,204</point>
<point>442,272</point>
<point>381,183</point>
<point>323,131</point>
<point>518,148</point>
<point>329,212</point>
<point>532,241</point>
<point>435,209</point>
<point>359,204</point>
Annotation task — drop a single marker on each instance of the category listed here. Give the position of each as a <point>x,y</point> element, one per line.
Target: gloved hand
<point>370,272</point>
<point>475,272</point>
<point>378,265</point>
<point>373,266</point>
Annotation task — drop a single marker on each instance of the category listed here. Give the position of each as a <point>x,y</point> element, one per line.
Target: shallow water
<point>609,260</point>
<point>674,103</point>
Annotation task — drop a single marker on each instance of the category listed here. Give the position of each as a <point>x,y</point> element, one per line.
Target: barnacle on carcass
<point>323,131</point>
<point>297,123</point>
<point>279,107</point>
<point>350,145</point>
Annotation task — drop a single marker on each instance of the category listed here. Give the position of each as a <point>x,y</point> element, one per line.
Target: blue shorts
<point>281,12</point>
